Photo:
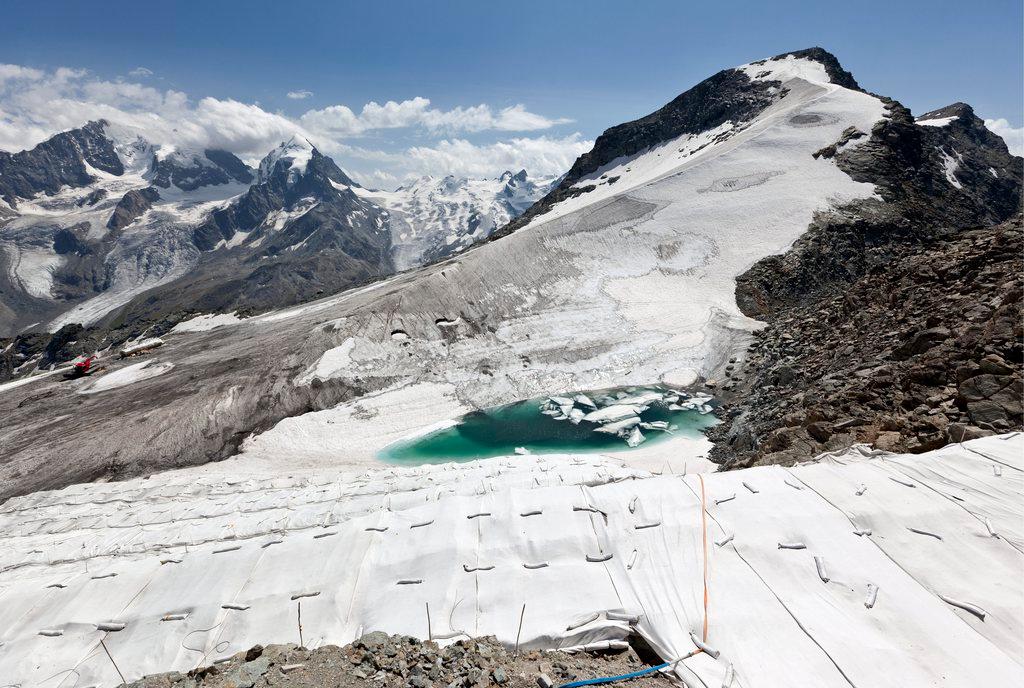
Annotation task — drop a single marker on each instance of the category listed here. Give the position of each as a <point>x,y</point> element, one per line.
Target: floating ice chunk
<point>698,403</point>
<point>643,398</point>
<point>575,416</point>
<point>619,426</point>
<point>635,438</point>
<point>584,400</point>
<point>615,412</point>
<point>522,451</point>
<point>682,377</point>
<point>560,401</point>
<point>655,425</point>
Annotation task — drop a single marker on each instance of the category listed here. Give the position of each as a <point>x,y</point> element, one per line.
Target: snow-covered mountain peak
<point>432,217</point>
<point>132,148</point>
<point>190,169</point>
<point>507,176</point>
<point>296,152</point>
<point>813,65</point>
<point>785,69</point>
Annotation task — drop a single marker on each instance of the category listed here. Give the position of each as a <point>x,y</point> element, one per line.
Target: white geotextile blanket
<point>893,570</point>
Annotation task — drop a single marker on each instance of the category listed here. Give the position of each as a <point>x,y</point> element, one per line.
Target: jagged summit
<point>836,74</point>
<point>293,154</point>
<point>62,160</point>
<point>956,110</point>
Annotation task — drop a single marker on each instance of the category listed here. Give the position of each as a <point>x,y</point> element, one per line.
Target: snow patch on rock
<point>333,363</point>
<point>129,375</point>
<point>206,322</point>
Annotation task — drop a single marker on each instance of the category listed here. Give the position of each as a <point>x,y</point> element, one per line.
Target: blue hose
<point>612,679</point>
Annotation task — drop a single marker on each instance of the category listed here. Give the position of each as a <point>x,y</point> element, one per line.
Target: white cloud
<point>1014,136</point>
<point>340,120</point>
<point>35,104</point>
<point>300,94</point>
<point>141,72</point>
<point>10,72</point>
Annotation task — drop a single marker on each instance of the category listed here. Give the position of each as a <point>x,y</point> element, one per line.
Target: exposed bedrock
<point>921,349</point>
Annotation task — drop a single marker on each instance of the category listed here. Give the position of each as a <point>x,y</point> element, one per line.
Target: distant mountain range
<point>99,226</point>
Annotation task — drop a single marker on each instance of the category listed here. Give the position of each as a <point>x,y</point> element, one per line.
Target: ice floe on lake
<point>620,413</point>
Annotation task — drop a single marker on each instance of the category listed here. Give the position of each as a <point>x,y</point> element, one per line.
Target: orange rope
<point>704,528</point>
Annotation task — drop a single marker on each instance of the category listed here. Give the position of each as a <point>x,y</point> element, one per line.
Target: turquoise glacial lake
<point>500,430</point>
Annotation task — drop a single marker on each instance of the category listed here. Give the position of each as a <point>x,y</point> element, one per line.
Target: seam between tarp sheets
<point>774,594</point>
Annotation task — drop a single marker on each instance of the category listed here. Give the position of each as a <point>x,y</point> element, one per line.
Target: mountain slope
<point>629,277</point>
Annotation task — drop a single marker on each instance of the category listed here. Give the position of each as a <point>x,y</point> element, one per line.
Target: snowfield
<point>864,568</point>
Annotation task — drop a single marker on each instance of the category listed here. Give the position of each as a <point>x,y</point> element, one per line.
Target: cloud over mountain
<point>35,104</point>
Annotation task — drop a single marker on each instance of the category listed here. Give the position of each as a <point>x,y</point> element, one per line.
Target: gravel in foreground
<point>377,660</point>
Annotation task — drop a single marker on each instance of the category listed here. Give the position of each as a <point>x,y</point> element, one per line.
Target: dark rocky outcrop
<point>131,206</point>
<point>71,241</point>
<point>57,162</point>
<point>230,163</point>
<point>925,347</point>
<point>883,311</point>
<point>92,199</point>
<point>189,174</point>
<point>919,202</point>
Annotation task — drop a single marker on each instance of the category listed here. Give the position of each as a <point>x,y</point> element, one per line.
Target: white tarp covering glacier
<point>862,569</point>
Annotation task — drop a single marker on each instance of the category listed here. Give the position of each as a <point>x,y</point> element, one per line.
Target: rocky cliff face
<point>191,170</point>
<point>58,162</point>
<point>922,349</point>
<point>131,206</point>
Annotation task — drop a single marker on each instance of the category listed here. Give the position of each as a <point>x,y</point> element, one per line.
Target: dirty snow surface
<point>129,375</point>
<point>865,569</point>
<point>205,322</point>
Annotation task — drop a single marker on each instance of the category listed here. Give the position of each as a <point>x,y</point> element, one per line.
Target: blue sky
<point>578,67</point>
